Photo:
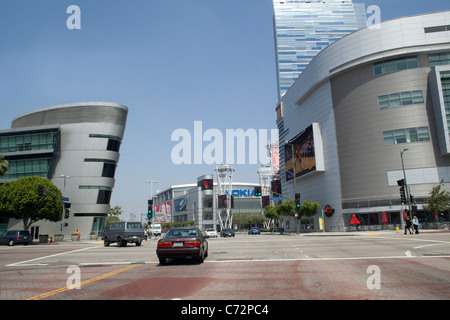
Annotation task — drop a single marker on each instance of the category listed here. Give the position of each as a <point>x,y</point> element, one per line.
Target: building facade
<point>305,27</point>
<point>369,110</point>
<point>76,146</point>
<point>199,203</point>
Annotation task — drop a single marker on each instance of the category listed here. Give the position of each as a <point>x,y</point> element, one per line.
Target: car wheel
<point>11,243</point>
<point>162,260</point>
<point>106,243</point>
<point>138,244</point>
<point>121,243</point>
<point>202,257</point>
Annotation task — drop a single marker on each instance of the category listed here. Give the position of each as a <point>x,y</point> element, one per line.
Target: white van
<point>156,230</point>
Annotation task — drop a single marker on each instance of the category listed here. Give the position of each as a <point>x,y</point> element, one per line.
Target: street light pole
<point>63,210</point>
<point>408,199</point>
<point>295,189</point>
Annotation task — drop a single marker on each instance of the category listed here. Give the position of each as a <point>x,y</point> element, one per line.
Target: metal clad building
<point>368,97</point>
<point>76,146</point>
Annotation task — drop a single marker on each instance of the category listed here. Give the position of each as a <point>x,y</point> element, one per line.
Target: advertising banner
<point>163,212</point>
<point>301,148</point>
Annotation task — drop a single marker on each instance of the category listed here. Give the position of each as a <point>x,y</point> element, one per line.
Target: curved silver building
<point>76,146</point>
<point>370,110</point>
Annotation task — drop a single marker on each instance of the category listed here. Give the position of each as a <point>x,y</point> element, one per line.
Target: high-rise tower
<point>304,27</point>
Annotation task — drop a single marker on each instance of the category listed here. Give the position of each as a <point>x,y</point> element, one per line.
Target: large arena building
<point>369,110</point>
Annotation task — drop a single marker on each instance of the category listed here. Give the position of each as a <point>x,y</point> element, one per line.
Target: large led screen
<point>301,149</point>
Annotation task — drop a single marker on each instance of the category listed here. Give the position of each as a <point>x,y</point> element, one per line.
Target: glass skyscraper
<point>304,27</point>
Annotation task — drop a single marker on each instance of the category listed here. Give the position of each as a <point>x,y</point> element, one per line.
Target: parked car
<point>13,237</point>
<point>123,232</point>
<point>227,232</point>
<point>185,242</point>
<point>211,232</point>
<point>254,230</point>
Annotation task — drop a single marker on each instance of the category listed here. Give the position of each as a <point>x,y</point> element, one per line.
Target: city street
<point>361,266</point>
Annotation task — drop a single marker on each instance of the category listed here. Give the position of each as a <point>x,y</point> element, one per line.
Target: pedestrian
<point>408,225</point>
<point>416,224</point>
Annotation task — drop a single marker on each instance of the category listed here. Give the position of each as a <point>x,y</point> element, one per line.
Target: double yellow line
<point>51,293</point>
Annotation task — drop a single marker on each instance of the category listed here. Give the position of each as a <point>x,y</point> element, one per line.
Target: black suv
<point>16,237</point>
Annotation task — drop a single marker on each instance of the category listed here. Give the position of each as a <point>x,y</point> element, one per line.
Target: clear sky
<point>171,62</point>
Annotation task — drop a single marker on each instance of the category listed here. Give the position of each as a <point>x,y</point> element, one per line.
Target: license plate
<point>134,237</point>
<point>178,244</point>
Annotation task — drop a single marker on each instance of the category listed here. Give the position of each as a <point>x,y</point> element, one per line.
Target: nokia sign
<point>241,193</point>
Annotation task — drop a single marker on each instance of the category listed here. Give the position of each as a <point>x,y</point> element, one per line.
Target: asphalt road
<point>266,267</point>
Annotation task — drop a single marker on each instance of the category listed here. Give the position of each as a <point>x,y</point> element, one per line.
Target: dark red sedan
<point>186,242</point>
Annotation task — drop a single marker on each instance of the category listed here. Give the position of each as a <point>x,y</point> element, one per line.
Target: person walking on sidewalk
<point>408,225</point>
<point>416,224</point>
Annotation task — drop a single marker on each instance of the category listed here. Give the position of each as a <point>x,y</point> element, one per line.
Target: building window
<point>395,65</point>
<point>400,99</point>
<point>113,141</point>
<point>27,168</point>
<point>94,188</point>
<point>99,160</point>
<point>104,196</point>
<point>109,170</point>
<point>439,59</point>
<point>28,142</point>
<point>437,29</point>
<point>409,135</point>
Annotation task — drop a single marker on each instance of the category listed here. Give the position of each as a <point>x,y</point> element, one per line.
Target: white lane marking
<point>25,263</point>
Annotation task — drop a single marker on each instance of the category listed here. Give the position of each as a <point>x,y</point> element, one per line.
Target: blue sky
<point>170,62</point>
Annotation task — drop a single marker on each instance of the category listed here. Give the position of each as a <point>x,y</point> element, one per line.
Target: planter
<point>57,238</point>
<point>93,236</point>
<point>75,237</point>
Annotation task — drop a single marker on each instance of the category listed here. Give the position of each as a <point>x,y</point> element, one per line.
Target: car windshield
<point>181,233</point>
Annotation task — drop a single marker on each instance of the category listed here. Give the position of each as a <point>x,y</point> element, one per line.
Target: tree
<point>309,208</point>
<point>3,165</point>
<point>20,200</point>
<point>116,211</point>
<point>439,200</point>
<point>271,213</point>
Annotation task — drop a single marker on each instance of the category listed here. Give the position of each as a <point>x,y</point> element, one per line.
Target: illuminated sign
<point>242,192</point>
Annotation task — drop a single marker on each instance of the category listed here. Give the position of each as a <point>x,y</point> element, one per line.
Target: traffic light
<point>150,209</point>
<point>265,201</point>
<point>297,202</point>
<point>67,205</point>
<point>402,195</point>
<point>257,191</point>
<point>401,182</point>
<point>411,197</point>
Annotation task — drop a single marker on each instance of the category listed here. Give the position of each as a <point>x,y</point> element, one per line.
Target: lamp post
<point>295,189</point>
<point>406,184</point>
<point>63,211</point>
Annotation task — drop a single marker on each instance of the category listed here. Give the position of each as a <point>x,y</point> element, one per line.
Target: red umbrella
<point>354,220</point>
<point>384,219</point>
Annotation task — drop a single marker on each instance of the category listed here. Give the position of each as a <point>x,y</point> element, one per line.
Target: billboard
<point>180,204</point>
<point>163,212</point>
<point>301,149</point>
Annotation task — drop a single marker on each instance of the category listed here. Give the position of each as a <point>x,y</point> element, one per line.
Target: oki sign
<point>241,192</point>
